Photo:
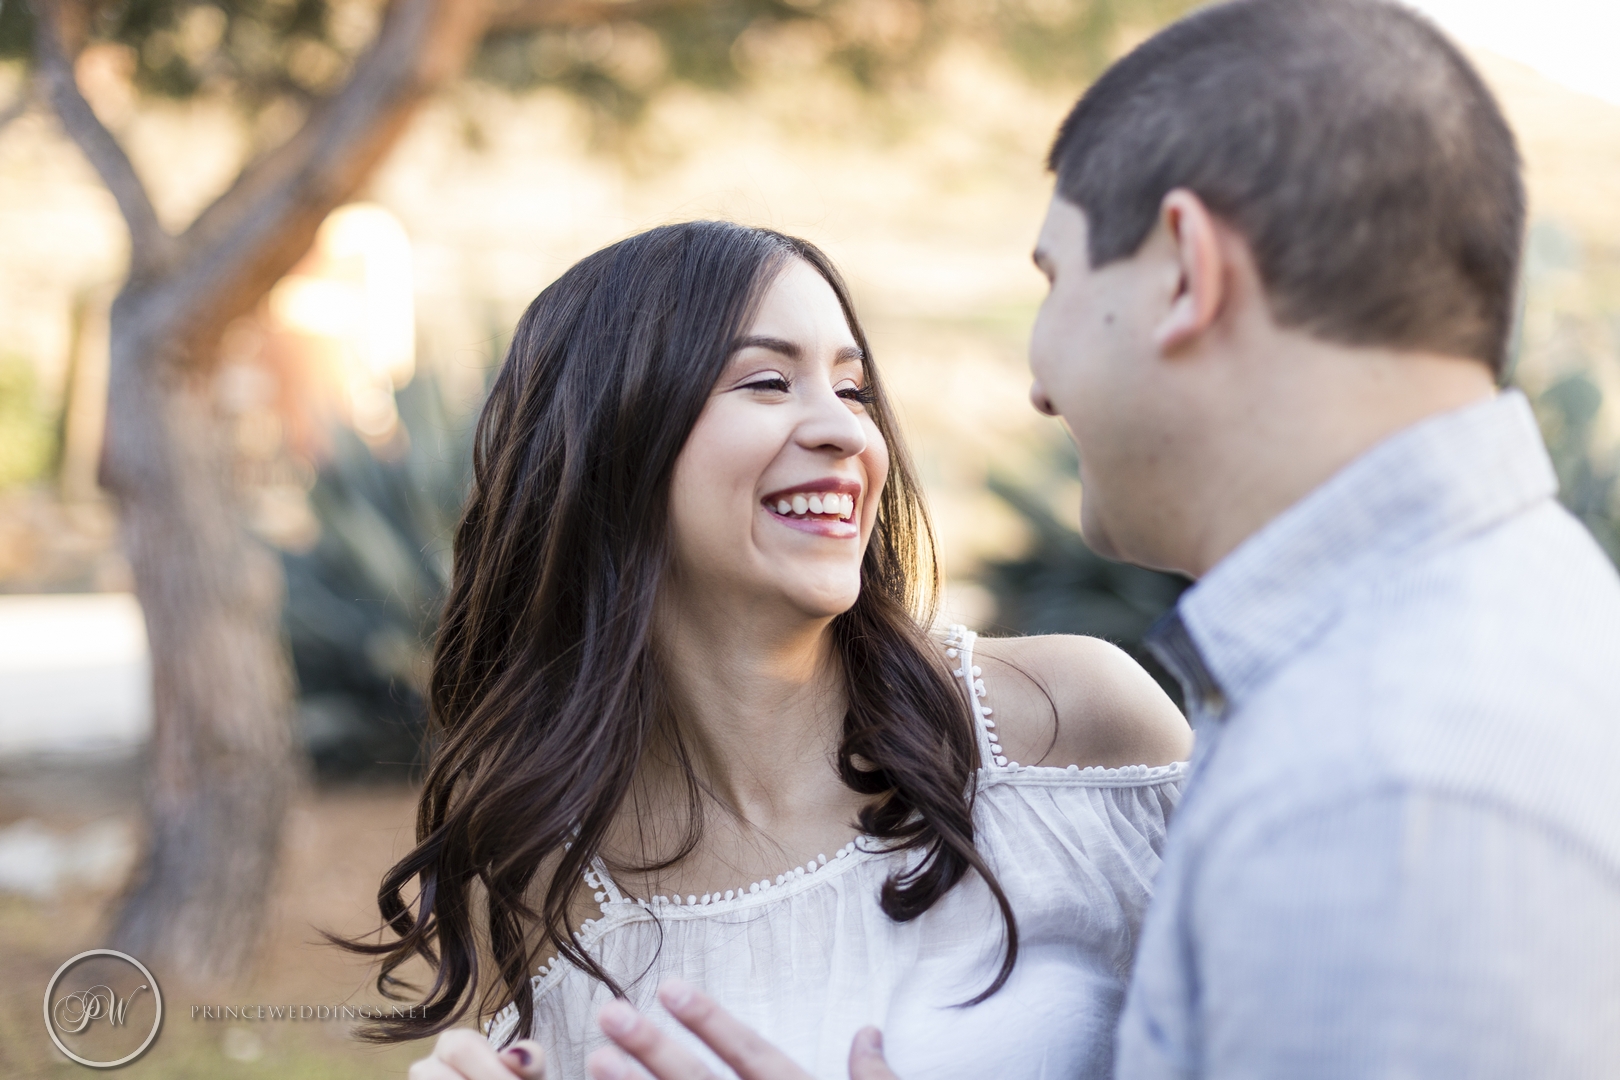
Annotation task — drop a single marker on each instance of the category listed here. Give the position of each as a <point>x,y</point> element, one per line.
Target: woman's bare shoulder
<point>1064,699</point>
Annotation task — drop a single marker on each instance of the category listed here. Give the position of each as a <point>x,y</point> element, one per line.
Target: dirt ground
<point>339,842</point>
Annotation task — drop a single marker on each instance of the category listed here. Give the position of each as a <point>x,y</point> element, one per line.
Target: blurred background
<point>349,339</point>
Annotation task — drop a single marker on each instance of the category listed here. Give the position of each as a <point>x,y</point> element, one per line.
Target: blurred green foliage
<point>615,55</point>
<point>1565,351</point>
<point>16,29</point>
<point>28,431</point>
<point>1588,474</point>
<point>257,50</point>
<point>362,604</point>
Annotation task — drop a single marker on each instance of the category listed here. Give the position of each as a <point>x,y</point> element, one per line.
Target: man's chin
<point>1097,537</point>
<point>1116,545</point>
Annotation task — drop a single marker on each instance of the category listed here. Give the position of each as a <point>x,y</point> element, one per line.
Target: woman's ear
<point>1201,266</point>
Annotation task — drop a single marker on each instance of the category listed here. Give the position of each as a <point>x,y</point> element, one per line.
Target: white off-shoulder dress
<point>809,958</point>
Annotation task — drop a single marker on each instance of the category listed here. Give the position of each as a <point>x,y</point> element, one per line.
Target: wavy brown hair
<point>546,691</point>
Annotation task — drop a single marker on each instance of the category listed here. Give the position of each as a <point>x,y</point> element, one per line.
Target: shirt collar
<point>1441,479</point>
<point>1170,643</point>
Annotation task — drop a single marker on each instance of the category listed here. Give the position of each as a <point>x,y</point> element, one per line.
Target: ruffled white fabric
<point>808,957</point>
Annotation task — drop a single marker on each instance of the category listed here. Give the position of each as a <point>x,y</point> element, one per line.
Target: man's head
<point>1264,182</point>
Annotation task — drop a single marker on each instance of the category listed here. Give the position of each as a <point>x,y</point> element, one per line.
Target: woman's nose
<point>832,427</point>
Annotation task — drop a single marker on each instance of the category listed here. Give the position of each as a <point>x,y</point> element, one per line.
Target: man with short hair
<point>1283,253</point>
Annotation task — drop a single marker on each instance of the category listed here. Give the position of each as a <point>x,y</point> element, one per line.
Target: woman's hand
<point>463,1054</point>
<point>736,1044</point>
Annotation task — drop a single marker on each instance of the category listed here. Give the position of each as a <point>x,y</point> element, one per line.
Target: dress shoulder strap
<point>959,651</point>
<point>598,878</point>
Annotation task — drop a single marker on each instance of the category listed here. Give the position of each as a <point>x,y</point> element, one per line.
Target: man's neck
<point>1297,422</point>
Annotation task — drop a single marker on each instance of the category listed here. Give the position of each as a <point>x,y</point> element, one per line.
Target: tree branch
<point>518,15</point>
<point>255,232</point>
<point>150,245</point>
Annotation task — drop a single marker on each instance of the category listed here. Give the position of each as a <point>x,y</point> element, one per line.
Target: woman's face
<point>776,491</point>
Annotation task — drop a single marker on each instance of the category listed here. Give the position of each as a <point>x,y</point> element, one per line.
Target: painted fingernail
<point>519,1055</point>
<point>675,994</point>
<point>616,1018</point>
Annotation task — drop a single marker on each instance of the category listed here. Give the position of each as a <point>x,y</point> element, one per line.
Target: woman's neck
<point>759,702</point>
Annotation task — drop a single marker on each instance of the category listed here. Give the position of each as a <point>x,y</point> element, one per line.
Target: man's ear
<point>1200,287</point>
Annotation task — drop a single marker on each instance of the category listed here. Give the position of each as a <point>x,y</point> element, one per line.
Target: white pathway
<point>74,685</point>
<point>74,674</point>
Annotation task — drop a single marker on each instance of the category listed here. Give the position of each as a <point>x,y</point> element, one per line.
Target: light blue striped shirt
<point>1399,850</point>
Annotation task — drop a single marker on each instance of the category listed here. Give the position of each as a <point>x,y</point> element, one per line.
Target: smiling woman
<point>686,646</point>
<point>791,431</point>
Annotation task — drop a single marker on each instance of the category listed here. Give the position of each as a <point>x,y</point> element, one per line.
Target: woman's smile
<point>823,507</point>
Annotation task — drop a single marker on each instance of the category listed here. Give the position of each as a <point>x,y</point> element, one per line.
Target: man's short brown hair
<point>1351,143</point>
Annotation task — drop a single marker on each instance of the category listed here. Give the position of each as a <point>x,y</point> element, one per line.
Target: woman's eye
<point>860,394</point>
<point>775,383</point>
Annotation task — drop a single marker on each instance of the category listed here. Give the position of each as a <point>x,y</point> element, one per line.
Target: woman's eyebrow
<point>849,354</point>
<point>776,345</point>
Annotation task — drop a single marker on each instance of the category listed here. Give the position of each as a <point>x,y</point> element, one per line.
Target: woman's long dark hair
<point>545,689</point>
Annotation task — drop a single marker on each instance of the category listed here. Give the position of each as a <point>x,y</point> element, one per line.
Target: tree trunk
<point>222,762</point>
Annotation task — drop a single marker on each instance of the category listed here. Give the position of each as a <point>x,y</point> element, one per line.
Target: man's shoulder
<point>1520,623</point>
<point>1488,671</point>
<point>1538,573</point>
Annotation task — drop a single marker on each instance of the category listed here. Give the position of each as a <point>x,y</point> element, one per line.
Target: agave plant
<point>1060,586</point>
<point>363,603</point>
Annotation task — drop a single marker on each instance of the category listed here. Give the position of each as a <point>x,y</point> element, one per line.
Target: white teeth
<point>836,504</point>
